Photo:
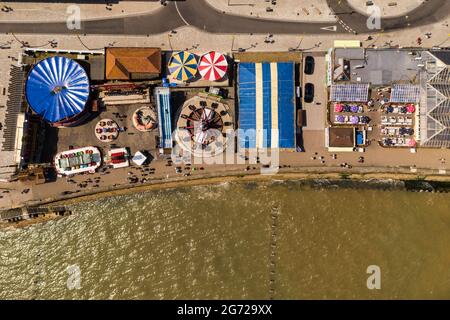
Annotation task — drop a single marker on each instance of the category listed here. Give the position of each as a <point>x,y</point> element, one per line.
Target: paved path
<point>428,12</point>
<point>200,14</point>
<point>160,21</point>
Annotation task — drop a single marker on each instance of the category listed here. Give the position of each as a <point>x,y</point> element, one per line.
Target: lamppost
<point>342,13</point>
<point>241,4</point>
<point>297,48</point>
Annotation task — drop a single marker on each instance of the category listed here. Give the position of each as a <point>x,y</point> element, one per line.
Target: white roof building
<point>435,100</point>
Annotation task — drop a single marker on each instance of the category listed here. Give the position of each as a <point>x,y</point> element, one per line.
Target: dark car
<point>309,65</point>
<point>309,93</point>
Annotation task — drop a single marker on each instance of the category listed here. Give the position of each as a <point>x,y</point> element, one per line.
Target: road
<point>200,14</point>
<point>429,12</point>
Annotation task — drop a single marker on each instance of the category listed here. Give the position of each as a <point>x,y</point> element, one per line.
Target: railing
<point>25,213</point>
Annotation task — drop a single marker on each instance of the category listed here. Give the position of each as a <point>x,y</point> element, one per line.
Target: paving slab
<point>39,11</point>
<point>389,8</point>
<point>289,10</point>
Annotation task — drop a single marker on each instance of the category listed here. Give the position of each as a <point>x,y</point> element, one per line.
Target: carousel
<point>107,130</point>
<point>202,126</point>
<point>57,89</point>
<point>145,119</point>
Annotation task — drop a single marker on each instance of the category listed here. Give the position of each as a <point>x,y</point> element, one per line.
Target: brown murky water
<point>230,241</point>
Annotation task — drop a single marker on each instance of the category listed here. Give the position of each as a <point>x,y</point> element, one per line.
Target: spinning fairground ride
<point>204,126</point>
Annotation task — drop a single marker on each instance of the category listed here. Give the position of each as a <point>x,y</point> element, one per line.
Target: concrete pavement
<point>199,14</point>
<point>428,12</point>
<point>159,21</point>
<point>388,8</point>
<point>59,12</point>
<point>286,10</point>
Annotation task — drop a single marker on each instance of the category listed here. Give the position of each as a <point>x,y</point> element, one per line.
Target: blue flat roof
<point>261,114</point>
<point>164,117</point>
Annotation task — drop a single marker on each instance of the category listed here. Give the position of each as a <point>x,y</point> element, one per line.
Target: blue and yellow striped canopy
<point>183,66</point>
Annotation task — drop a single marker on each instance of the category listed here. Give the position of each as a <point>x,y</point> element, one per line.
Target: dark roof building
<point>379,67</point>
<point>97,68</point>
<point>341,137</point>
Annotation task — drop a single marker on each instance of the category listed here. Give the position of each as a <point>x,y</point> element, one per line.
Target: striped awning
<point>183,66</point>
<point>213,66</point>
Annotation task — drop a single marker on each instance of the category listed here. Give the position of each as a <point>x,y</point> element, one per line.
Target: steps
<point>13,107</point>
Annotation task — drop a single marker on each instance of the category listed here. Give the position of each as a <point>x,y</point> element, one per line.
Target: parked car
<point>309,65</point>
<point>309,93</point>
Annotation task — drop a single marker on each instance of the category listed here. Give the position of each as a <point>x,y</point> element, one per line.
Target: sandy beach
<point>240,178</point>
<point>371,177</point>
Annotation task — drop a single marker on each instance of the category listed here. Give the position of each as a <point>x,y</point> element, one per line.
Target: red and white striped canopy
<point>213,66</point>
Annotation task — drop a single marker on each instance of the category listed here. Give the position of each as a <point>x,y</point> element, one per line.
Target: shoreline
<point>371,178</point>
<point>372,181</point>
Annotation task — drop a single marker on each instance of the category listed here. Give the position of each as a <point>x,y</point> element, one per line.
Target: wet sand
<point>239,176</point>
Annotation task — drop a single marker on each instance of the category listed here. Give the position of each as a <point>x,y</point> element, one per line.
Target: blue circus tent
<point>57,88</point>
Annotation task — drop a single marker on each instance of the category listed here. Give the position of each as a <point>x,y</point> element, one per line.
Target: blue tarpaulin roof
<point>266,105</point>
<point>57,88</point>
